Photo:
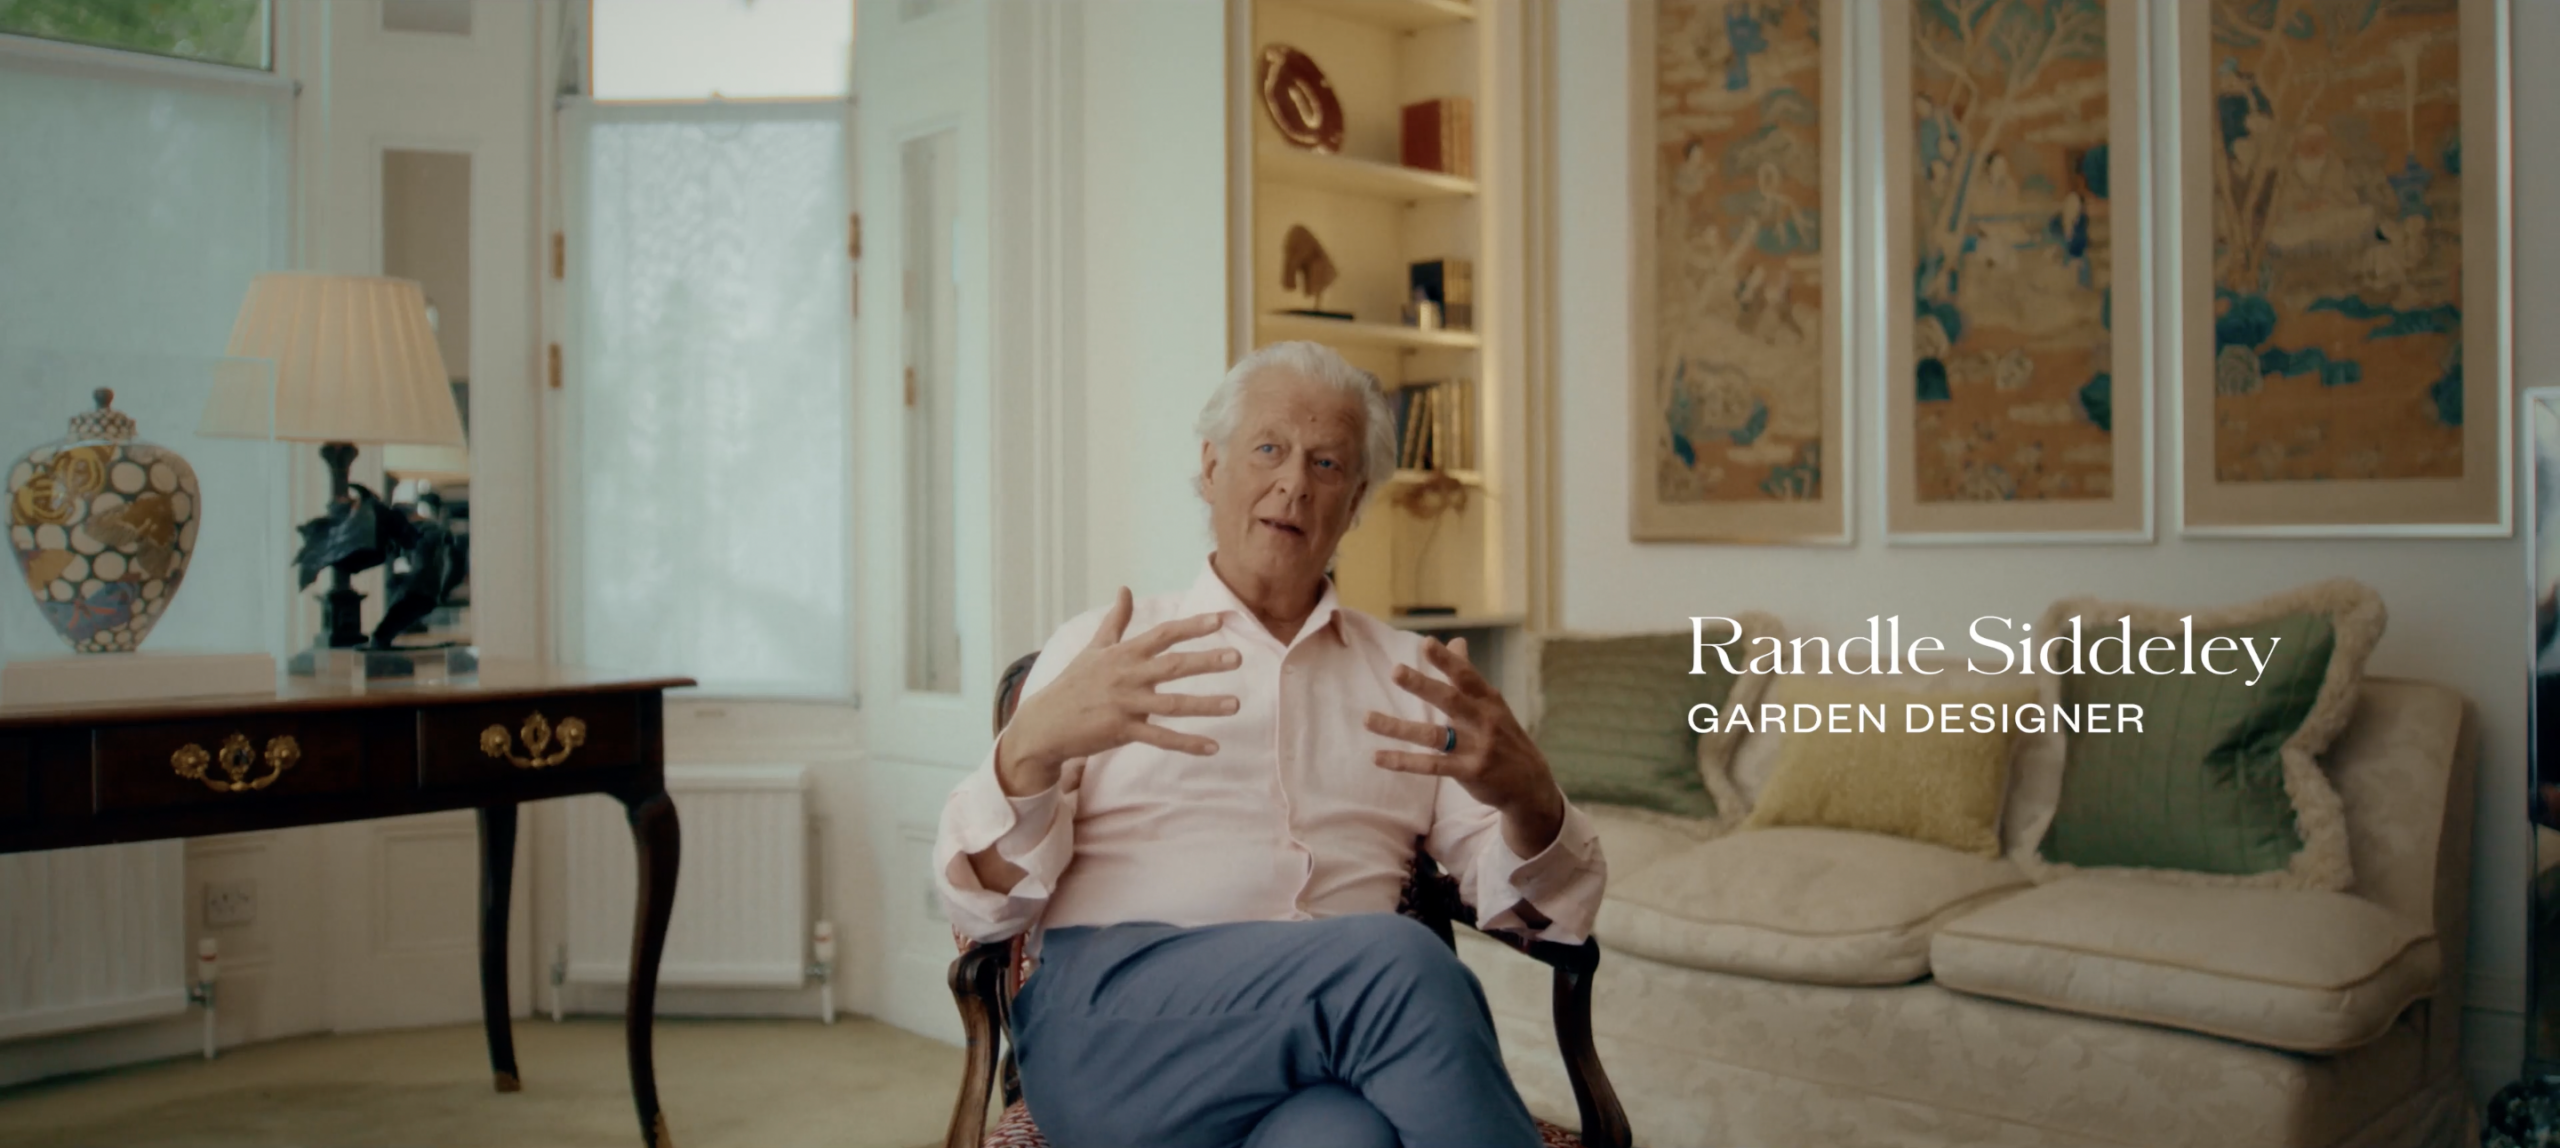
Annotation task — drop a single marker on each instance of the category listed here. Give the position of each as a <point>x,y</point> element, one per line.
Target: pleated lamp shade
<point>438,464</point>
<point>355,362</point>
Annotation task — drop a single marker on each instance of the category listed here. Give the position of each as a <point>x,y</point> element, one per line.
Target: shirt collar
<point>1210,594</point>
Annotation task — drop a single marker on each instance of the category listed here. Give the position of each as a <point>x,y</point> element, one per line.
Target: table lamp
<point>355,362</point>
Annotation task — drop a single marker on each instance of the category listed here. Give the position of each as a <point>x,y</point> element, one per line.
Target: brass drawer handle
<point>537,734</point>
<point>236,757</point>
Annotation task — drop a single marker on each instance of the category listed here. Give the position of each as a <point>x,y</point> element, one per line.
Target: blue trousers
<point>1356,1032</point>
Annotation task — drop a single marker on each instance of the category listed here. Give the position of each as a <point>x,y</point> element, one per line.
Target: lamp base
<point>359,665</point>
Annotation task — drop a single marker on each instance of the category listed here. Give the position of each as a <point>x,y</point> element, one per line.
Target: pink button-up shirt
<point>1291,819</point>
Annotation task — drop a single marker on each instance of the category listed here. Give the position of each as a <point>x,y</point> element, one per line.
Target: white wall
<point>1155,280</point>
<point>2456,606</point>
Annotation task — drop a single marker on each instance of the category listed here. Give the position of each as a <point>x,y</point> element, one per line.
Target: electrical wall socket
<point>229,903</point>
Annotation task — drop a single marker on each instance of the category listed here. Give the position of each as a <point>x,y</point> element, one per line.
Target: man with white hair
<point>1206,806</point>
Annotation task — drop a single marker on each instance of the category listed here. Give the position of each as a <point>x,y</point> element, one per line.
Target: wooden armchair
<point>984,977</point>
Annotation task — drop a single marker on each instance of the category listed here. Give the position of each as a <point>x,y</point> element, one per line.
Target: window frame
<point>69,58</point>
<point>267,30</point>
<point>564,405</point>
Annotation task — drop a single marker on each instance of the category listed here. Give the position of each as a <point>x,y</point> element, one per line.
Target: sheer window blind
<point>137,199</point>
<point>707,416</point>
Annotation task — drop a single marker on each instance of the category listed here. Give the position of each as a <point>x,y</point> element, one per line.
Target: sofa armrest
<point>2404,767</point>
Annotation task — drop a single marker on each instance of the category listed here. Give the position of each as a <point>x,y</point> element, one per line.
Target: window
<point>124,255</point>
<point>709,417</point>
<point>729,49</point>
<point>707,421</point>
<point>233,32</point>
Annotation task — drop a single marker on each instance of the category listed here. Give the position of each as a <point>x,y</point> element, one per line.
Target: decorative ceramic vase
<point>103,526</point>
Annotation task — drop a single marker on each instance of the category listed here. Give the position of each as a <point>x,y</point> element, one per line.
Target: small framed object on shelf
<point>1449,286</point>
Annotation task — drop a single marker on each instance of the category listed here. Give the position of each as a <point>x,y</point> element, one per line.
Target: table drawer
<point>472,745</point>
<point>231,761</point>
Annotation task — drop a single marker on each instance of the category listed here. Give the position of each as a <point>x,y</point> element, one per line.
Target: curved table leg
<point>497,882</point>
<point>655,834</point>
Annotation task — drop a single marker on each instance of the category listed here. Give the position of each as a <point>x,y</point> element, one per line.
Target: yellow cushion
<point>1939,786</point>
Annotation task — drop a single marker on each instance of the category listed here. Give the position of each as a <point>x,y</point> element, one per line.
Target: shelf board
<point>1274,325</point>
<point>1408,476</point>
<point>1438,622</point>
<point>1327,172</point>
<point>1401,15</point>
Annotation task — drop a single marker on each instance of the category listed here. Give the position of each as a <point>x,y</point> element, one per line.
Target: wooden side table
<point>313,754</point>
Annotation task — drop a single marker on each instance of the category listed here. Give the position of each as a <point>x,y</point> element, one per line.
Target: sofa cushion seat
<point>2304,970</point>
<point>1810,905</point>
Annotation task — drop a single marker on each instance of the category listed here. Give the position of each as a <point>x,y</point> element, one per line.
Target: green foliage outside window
<point>220,31</point>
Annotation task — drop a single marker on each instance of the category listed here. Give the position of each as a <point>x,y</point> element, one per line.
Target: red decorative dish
<point>1300,100</point>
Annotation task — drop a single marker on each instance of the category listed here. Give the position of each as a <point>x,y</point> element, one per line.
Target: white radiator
<point>92,937</point>
<point>742,899</point>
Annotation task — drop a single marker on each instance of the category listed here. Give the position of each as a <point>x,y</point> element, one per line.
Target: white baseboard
<point>607,1000</point>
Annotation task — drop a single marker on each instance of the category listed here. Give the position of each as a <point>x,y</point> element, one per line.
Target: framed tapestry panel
<point>2017,390</point>
<point>2344,251</point>
<point>1740,428</point>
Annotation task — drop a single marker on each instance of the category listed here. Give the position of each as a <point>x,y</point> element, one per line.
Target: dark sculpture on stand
<point>2525,1114</point>
<point>359,532</point>
<point>430,570</point>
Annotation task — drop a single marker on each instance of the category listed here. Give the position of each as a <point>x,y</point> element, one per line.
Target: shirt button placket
<point>1285,737</point>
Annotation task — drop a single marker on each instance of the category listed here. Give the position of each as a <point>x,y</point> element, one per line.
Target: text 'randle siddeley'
<point>1881,650</point>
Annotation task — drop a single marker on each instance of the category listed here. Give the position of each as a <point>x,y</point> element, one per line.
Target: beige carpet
<point>748,1084</point>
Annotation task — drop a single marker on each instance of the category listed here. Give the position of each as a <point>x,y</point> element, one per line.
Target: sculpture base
<point>359,665</point>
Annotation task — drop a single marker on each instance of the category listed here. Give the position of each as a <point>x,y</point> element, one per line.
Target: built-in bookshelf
<point>1447,529</point>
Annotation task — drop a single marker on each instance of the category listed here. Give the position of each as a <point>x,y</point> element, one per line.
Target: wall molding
<point>1036,193</point>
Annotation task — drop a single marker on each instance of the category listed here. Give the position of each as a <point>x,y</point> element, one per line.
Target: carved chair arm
<point>1604,1120</point>
<point>978,987</point>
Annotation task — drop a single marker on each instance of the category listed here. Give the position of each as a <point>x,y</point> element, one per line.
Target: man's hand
<point>1494,759</point>
<point>1102,700</point>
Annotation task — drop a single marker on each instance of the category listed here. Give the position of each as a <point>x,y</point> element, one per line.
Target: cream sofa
<point>1782,987</point>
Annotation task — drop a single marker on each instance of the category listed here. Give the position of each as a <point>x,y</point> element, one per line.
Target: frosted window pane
<point>695,49</point>
<point>148,212</point>
<point>713,413</point>
<point>434,17</point>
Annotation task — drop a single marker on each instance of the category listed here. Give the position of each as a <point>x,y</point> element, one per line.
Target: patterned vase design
<point>102,526</point>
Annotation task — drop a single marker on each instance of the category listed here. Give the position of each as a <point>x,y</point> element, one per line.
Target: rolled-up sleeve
<point>1554,896</point>
<point>1035,832</point>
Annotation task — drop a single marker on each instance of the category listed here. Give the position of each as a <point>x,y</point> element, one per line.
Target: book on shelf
<point>1435,425</point>
<point>1440,135</point>
<point>1451,284</point>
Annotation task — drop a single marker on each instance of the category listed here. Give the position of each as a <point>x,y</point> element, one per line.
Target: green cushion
<point>1615,720</point>
<point>2201,787</point>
